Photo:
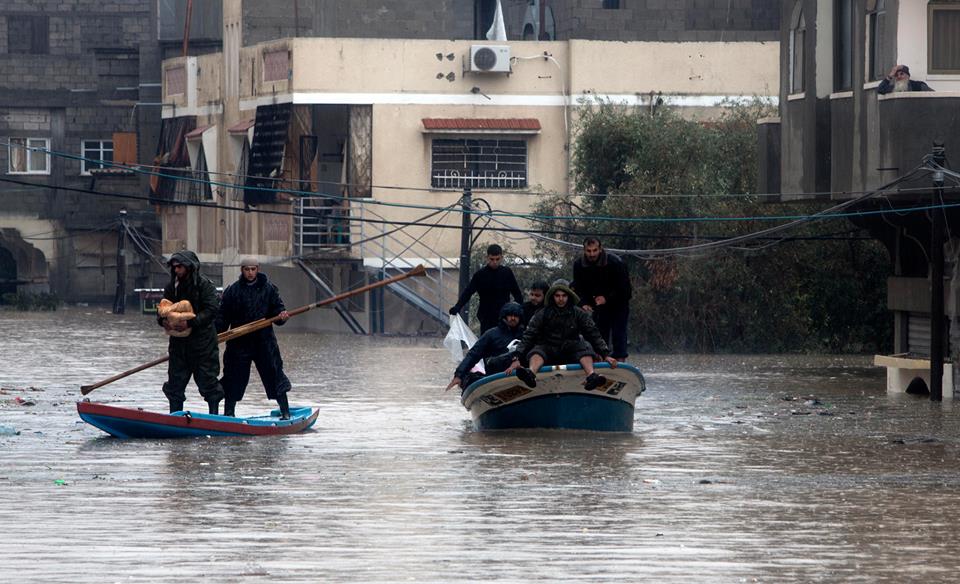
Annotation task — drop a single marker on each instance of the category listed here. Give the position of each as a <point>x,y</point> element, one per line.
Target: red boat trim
<point>188,421</point>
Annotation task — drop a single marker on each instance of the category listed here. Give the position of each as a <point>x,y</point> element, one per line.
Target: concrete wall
<point>83,84</point>
<point>643,20</point>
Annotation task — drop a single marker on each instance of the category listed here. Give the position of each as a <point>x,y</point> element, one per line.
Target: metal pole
<point>467,204</point>
<point>120,296</point>
<point>936,278</point>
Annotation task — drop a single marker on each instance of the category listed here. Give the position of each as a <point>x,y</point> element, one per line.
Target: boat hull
<point>500,402</point>
<point>138,423</point>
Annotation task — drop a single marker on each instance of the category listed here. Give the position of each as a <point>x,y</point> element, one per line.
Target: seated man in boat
<point>252,297</point>
<point>561,333</point>
<point>535,295</point>
<point>492,347</point>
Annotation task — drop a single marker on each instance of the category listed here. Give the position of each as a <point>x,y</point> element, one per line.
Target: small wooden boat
<point>559,400</point>
<point>138,423</point>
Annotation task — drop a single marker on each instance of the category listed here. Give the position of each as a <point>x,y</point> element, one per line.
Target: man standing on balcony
<point>899,80</point>
<point>494,284</point>
<point>252,297</point>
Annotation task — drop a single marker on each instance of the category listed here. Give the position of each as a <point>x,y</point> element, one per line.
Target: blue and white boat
<point>139,423</point>
<point>499,402</point>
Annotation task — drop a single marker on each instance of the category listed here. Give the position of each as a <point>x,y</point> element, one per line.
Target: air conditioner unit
<point>489,59</point>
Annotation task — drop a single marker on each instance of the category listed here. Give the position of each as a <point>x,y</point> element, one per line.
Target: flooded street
<point>740,469</point>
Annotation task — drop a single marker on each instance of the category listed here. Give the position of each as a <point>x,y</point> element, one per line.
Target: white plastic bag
<point>459,333</point>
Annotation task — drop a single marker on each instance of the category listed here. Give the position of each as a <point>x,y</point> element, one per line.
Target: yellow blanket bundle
<point>176,312</point>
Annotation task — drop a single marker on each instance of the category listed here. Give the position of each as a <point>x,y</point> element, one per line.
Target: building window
<point>29,156</point>
<point>943,21</point>
<point>798,35</point>
<point>95,150</point>
<point>611,4</point>
<point>484,164</point>
<point>876,66</point>
<point>28,35</point>
<point>843,46</point>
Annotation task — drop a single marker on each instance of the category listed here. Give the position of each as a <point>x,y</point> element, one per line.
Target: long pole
<point>936,278</point>
<point>120,295</point>
<point>186,27</point>
<point>263,323</point>
<point>467,203</point>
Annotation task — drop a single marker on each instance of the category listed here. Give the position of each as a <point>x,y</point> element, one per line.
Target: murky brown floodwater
<point>732,475</point>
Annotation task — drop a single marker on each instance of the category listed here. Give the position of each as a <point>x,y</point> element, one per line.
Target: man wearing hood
<point>493,347</point>
<point>561,333</point>
<point>197,353</point>
<point>252,297</point>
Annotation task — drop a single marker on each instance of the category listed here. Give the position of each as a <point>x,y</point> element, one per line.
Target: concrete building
<point>836,134</point>
<point>339,143</point>
<point>72,75</point>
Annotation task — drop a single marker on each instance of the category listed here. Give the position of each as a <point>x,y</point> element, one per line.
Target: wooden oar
<point>261,324</point>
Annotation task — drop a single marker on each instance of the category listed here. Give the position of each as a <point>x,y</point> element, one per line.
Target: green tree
<point>800,292</point>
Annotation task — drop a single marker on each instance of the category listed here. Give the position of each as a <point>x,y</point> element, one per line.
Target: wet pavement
<point>740,469</point>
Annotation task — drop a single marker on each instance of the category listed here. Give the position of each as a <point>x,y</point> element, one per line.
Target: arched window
<point>798,35</point>
<point>877,65</point>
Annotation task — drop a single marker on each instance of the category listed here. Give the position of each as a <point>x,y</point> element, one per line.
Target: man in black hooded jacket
<point>561,333</point>
<point>196,354</point>
<point>493,347</point>
<point>251,298</point>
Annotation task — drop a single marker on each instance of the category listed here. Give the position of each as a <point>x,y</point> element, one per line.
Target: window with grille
<point>29,156</point>
<point>943,24</point>
<point>484,164</point>
<point>95,150</point>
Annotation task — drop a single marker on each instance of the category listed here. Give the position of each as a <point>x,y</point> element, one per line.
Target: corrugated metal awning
<point>481,125</point>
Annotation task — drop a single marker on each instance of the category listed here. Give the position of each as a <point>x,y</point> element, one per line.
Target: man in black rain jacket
<point>493,283</point>
<point>196,354</point>
<point>602,282</point>
<point>493,347</point>
<point>561,333</point>
<point>251,298</point>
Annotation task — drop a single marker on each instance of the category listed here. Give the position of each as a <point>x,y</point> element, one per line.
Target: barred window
<point>29,156</point>
<point>485,164</point>
<point>94,150</point>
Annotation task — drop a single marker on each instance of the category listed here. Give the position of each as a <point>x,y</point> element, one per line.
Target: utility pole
<point>120,297</point>
<point>936,276</point>
<point>467,205</point>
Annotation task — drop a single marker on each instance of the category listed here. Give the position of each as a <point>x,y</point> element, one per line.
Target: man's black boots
<point>176,405</point>
<point>284,406</point>
<point>214,407</point>
<point>229,408</point>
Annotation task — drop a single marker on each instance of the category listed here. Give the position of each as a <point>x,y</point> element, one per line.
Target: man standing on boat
<point>493,347</point>
<point>602,282</point>
<point>553,337</point>
<point>252,297</point>
<point>493,283</point>
<point>194,353</point>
